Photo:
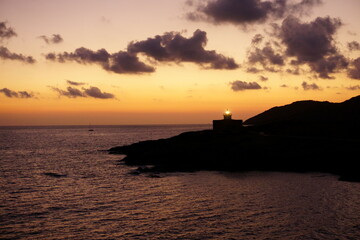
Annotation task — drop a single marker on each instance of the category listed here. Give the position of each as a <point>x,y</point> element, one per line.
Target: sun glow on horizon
<point>69,65</point>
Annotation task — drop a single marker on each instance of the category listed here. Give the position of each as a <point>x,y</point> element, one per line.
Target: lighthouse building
<point>227,124</point>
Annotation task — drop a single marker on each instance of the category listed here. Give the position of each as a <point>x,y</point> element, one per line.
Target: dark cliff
<point>311,118</point>
<point>289,138</point>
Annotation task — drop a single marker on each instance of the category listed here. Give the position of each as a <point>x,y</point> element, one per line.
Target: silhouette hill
<point>311,118</point>
<point>289,138</point>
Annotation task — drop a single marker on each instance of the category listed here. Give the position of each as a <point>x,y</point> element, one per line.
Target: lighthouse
<point>227,115</point>
<point>227,125</point>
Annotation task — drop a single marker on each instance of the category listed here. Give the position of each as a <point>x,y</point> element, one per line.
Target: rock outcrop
<point>290,138</point>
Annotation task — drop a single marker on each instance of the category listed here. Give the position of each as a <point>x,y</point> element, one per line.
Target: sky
<point>172,62</point>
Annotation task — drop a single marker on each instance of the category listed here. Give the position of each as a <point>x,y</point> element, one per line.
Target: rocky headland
<point>305,136</point>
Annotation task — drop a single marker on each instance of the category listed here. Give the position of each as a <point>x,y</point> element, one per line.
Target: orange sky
<point>201,68</point>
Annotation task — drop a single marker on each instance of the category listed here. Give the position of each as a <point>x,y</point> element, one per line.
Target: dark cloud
<point>262,78</point>
<point>120,62</point>
<point>6,32</point>
<point>313,44</point>
<point>354,71</point>
<point>82,55</point>
<point>284,86</point>
<point>307,86</point>
<point>172,47</point>
<point>75,83</point>
<point>257,39</point>
<point>295,71</point>
<point>233,11</point>
<point>329,65</point>
<point>13,94</point>
<point>169,47</point>
<point>309,42</point>
<point>241,86</point>
<point>354,46</point>
<point>69,92</point>
<point>303,7</point>
<point>123,62</point>
<point>266,56</point>
<point>246,12</point>
<point>253,70</point>
<point>25,94</point>
<point>54,39</point>
<point>353,88</point>
<point>73,92</point>
<point>96,93</point>
<point>6,54</point>
<point>51,57</point>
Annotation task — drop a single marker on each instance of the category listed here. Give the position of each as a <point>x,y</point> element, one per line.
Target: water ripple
<point>55,184</point>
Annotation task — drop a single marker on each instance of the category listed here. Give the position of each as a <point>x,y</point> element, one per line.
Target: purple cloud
<point>173,47</point>
<point>6,32</point>
<point>7,55</point>
<point>54,39</point>
<point>13,94</point>
<point>307,86</point>
<point>241,86</point>
<point>120,62</point>
<point>246,12</point>
<point>354,70</point>
<point>72,92</point>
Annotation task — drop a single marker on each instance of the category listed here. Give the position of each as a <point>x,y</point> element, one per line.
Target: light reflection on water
<point>94,197</point>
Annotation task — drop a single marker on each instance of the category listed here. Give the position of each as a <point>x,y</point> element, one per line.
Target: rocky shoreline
<point>305,136</point>
<point>248,150</point>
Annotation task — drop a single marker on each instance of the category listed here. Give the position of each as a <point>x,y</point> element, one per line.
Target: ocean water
<point>59,183</point>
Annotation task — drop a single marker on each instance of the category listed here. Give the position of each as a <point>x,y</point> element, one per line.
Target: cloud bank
<point>54,39</point>
<point>296,44</point>
<point>7,55</point>
<point>306,86</point>
<point>354,88</point>
<point>169,47</point>
<point>96,93</point>
<point>172,47</point>
<point>6,32</point>
<point>13,94</point>
<point>266,56</point>
<point>247,12</point>
<point>75,83</point>
<point>354,70</point>
<point>262,78</point>
<point>120,62</point>
<point>73,92</point>
<point>354,46</point>
<point>70,92</point>
<point>241,86</point>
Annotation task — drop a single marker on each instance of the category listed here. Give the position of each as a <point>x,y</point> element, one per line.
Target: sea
<point>59,182</point>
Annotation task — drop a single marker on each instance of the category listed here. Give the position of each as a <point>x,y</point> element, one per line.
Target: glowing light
<point>227,112</point>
